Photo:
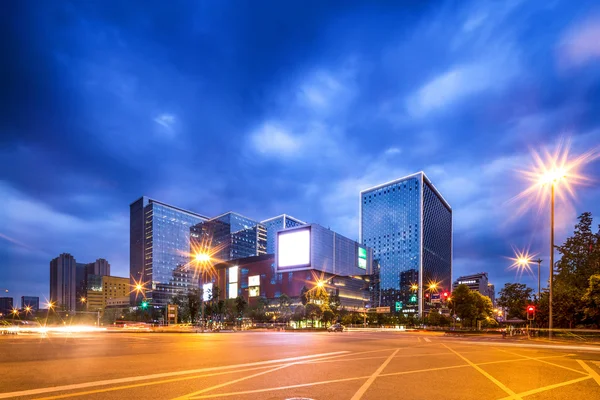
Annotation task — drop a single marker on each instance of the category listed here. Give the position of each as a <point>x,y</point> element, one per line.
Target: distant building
<point>314,247</point>
<point>80,284</point>
<point>255,277</point>
<point>159,246</point>
<point>230,236</point>
<point>98,267</point>
<point>477,283</point>
<point>6,305</point>
<point>63,282</point>
<point>104,291</point>
<point>30,301</point>
<point>277,224</point>
<point>408,224</point>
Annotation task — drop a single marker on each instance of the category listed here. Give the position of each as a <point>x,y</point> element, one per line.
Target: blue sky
<point>285,107</point>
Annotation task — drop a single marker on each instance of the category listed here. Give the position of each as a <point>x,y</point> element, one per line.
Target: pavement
<point>282,365</point>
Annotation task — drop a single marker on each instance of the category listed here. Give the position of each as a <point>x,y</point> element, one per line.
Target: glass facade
<point>328,252</point>
<point>272,225</point>
<point>409,226</point>
<point>230,236</point>
<point>164,245</point>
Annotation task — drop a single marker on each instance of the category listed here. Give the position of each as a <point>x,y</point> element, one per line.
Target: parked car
<point>336,328</point>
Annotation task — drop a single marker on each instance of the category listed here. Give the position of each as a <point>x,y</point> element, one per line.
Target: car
<point>336,328</point>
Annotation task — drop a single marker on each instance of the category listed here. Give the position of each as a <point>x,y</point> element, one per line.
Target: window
<point>253,280</point>
<point>233,291</point>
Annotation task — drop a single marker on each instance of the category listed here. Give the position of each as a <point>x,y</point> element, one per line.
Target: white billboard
<point>293,248</point>
<point>207,291</point>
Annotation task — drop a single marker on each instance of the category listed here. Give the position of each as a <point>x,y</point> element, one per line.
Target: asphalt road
<point>279,365</point>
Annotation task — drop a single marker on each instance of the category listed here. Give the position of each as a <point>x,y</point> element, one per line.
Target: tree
<point>515,297</point>
<point>334,302</point>
<point>304,295</point>
<point>284,307</point>
<point>463,304</point>
<point>313,312</point>
<point>580,259</point>
<point>193,304</point>
<point>299,313</point>
<point>328,316</point>
<point>240,306</point>
<point>591,301</point>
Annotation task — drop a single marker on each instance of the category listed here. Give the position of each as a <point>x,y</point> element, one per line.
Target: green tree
<point>591,301</point>
<point>515,297</point>
<point>299,313</point>
<point>193,298</point>
<point>240,306</point>
<point>313,312</point>
<point>304,295</point>
<point>284,307</point>
<point>335,302</point>
<point>328,316</point>
<point>580,259</point>
<point>463,304</point>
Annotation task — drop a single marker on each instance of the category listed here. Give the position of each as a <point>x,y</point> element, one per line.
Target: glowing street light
<point>50,305</point>
<point>522,261</point>
<point>15,312</point>
<point>202,257</point>
<point>320,284</point>
<point>83,300</point>
<point>414,286</point>
<point>551,171</point>
<point>28,310</point>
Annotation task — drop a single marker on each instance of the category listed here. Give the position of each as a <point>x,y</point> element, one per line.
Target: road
<point>282,365</point>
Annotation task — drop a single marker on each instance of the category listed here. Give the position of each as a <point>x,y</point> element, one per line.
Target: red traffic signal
<point>530,313</point>
<point>446,294</point>
<point>427,295</point>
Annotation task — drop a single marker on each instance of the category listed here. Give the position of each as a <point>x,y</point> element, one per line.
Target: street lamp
<point>202,257</point>
<point>15,312</point>
<point>522,260</point>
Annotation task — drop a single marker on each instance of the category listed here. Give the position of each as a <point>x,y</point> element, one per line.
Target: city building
<point>159,247</point>
<point>478,283</point>
<point>6,305</point>
<point>229,236</point>
<point>408,224</point>
<point>30,301</point>
<point>106,291</point>
<point>314,247</point>
<point>80,284</point>
<point>275,224</point>
<point>98,267</point>
<point>63,283</point>
<point>255,277</point>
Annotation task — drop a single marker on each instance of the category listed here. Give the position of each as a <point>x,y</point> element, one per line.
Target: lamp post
<point>539,263</point>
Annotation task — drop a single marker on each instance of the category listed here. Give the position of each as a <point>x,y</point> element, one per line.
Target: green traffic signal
<point>144,304</point>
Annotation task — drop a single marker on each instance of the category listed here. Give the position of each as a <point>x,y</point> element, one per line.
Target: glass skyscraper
<point>277,224</point>
<point>230,236</point>
<point>159,249</point>
<point>63,284</point>
<point>408,224</point>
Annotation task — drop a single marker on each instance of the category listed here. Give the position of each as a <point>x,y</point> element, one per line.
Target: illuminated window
<point>233,274</point>
<point>254,291</point>
<point>233,290</point>
<point>254,280</point>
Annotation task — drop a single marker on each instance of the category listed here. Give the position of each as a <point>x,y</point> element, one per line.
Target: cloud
<point>581,43</point>
<point>273,140</point>
<point>167,121</point>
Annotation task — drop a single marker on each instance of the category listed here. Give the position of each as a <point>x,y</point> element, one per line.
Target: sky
<point>270,107</point>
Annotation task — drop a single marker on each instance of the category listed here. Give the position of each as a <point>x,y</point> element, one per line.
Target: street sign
<point>399,306</point>
<point>382,310</point>
<point>435,297</point>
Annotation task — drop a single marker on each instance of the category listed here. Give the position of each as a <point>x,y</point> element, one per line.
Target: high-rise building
<point>98,267</point>
<point>6,305</point>
<point>159,246</point>
<point>277,224</point>
<point>229,236</point>
<point>81,284</point>
<point>63,284</point>
<point>478,283</point>
<point>30,301</point>
<point>408,224</point>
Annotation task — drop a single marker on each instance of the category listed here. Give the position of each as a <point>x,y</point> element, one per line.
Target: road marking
<point>546,388</point>
<point>490,377</point>
<point>208,389</point>
<point>85,385</point>
<point>531,345</point>
<point>542,361</point>
<point>590,371</point>
<point>281,388</point>
<point>419,339</point>
<point>361,391</point>
<point>115,388</point>
<point>428,340</point>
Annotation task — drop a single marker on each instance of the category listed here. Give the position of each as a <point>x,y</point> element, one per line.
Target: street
<point>281,365</point>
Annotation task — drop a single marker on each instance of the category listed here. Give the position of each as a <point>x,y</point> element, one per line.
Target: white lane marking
<point>369,382</point>
<point>156,376</point>
<point>590,371</point>
<point>531,346</point>
<point>427,340</point>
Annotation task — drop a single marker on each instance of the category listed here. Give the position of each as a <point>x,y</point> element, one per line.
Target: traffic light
<point>144,304</point>
<point>530,313</point>
<point>446,295</point>
<point>427,295</point>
